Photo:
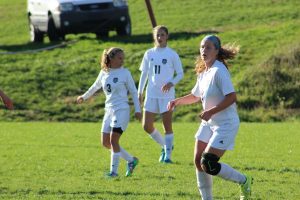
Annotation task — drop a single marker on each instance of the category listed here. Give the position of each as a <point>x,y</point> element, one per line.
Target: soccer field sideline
<point>41,160</point>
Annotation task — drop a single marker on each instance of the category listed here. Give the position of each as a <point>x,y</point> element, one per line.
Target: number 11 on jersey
<point>157,69</point>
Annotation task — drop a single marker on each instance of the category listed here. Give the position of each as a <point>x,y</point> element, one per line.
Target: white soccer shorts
<point>115,119</point>
<point>220,136</point>
<point>157,105</point>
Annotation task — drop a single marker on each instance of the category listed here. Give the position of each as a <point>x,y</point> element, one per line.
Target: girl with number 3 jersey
<point>115,81</point>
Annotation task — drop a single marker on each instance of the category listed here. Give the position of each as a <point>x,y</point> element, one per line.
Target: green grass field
<point>65,161</point>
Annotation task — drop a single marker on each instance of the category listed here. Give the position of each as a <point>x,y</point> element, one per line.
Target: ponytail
<point>107,55</point>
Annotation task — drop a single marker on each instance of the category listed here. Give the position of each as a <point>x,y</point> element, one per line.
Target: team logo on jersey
<point>115,80</point>
<point>164,61</point>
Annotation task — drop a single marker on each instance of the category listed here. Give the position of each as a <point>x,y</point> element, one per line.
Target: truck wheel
<point>52,32</point>
<point>101,34</point>
<point>124,30</point>
<point>35,34</point>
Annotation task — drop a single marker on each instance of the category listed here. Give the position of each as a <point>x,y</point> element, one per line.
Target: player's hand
<point>79,100</point>
<point>167,87</point>
<point>171,105</point>
<point>205,115</point>
<point>138,116</point>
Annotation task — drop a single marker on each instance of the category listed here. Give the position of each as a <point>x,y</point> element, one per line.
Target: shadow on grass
<point>134,39</point>
<point>26,46</point>
<point>147,38</point>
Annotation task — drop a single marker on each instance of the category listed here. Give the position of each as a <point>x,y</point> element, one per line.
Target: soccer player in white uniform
<point>115,81</point>
<point>220,121</point>
<point>158,67</point>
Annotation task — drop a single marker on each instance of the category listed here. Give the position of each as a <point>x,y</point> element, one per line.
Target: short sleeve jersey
<point>116,83</point>
<point>212,86</point>
<point>160,64</point>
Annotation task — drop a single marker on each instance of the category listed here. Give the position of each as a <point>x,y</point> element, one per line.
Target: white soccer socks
<point>228,173</point>
<point>114,162</point>
<point>168,145</point>
<point>204,183</point>
<point>125,155</point>
<point>155,135</point>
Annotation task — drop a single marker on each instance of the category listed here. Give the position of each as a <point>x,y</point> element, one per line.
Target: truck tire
<point>125,29</point>
<point>102,34</point>
<point>52,32</point>
<point>35,35</point>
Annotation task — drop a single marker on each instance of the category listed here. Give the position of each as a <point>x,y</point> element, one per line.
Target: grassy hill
<point>44,85</point>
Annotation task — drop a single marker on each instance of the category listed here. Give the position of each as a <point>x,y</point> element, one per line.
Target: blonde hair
<point>107,55</point>
<point>225,53</point>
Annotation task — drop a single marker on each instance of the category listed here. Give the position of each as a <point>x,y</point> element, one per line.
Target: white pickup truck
<point>56,18</point>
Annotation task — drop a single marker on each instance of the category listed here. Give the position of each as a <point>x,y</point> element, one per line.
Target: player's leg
<point>151,108</point>
<point>222,140</point>
<point>204,180</point>
<point>115,153</point>
<point>169,135</point>
<point>148,125</point>
<point>121,119</point>
<point>105,140</point>
<point>105,130</point>
<point>198,151</point>
<point>211,165</point>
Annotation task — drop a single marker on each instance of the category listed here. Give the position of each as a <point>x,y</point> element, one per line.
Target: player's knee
<point>106,144</point>
<point>209,163</point>
<point>148,128</point>
<point>114,144</point>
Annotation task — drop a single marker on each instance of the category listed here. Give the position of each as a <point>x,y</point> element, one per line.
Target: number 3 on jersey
<point>108,87</point>
<point>157,69</point>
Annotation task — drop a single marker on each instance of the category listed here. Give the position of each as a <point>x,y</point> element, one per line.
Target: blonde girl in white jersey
<point>115,81</point>
<point>220,121</point>
<point>159,66</point>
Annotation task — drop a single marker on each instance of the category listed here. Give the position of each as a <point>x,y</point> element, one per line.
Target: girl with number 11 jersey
<point>159,66</point>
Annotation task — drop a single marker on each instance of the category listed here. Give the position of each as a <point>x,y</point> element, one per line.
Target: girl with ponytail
<point>116,81</point>
<point>220,121</point>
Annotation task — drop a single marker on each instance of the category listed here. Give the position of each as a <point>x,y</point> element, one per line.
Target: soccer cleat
<point>168,161</point>
<point>246,188</point>
<point>111,175</point>
<point>131,166</point>
<point>162,156</point>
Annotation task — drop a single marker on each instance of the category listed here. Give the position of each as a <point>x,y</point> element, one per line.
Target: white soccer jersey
<point>115,83</point>
<point>211,87</point>
<point>159,66</point>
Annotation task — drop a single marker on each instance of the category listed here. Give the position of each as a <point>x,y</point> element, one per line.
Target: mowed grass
<point>65,161</point>
<point>44,85</point>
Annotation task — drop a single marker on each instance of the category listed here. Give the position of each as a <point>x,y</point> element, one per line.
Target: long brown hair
<point>107,55</point>
<point>227,52</point>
